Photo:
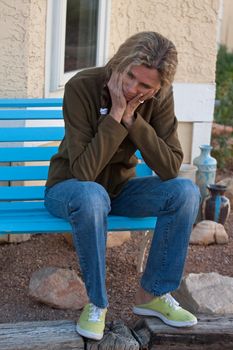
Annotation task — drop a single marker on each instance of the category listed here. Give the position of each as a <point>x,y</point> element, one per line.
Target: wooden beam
<point>211,332</point>
<point>46,335</point>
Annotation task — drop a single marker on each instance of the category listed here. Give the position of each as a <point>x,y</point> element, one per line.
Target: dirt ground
<point>19,261</point>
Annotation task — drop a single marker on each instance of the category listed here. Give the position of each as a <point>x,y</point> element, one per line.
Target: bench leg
<point>147,236</point>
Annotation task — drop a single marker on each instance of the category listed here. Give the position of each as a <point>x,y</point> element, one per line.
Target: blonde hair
<point>150,49</point>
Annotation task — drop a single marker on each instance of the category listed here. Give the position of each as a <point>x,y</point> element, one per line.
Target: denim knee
<point>94,200</point>
<point>186,193</point>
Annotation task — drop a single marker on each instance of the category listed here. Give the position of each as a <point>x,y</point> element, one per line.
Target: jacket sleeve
<point>89,151</point>
<point>158,139</point>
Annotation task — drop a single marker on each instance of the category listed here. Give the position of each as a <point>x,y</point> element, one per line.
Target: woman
<point>109,113</point>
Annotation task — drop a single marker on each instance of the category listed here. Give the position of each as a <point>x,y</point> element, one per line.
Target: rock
<point>116,336</point>
<point>17,238</point>
<point>3,239</point>
<point>69,238</point>
<point>208,293</point>
<point>59,288</point>
<point>14,238</point>
<point>208,232</point>
<point>116,239</point>
<point>221,237</point>
<point>228,181</point>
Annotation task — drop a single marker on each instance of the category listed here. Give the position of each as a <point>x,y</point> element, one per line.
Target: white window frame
<point>55,78</point>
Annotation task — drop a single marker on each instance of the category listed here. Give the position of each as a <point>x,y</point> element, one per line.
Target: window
<point>77,36</point>
<point>81,34</point>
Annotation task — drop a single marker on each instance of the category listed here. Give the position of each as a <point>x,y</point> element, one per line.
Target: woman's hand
<point>123,111</point>
<point>118,100</point>
<point>128,116</point>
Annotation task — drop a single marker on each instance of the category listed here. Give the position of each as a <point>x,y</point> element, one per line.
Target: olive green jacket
<point>98,148</point>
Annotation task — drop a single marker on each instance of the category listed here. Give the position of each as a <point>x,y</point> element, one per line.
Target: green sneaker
<point>91,322</point>
<point>168,310</point>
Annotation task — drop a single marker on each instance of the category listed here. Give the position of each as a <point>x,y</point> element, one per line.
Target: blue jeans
<point>86,206</point>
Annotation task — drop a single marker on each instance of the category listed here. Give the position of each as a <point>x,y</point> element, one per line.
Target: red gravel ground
<point>19,261</point>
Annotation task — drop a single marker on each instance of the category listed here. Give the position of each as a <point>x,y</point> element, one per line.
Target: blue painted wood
<point>30,102</point>
<point>41,221</point>
<point>28,114</point>
<point>31,134</point>
<point>143,170</point>
<point>20,154</point>
<point>138,154</point>
<point>23,173</point>
<point>22,207</point>
<point>40,172</point>
<point>16,193</point>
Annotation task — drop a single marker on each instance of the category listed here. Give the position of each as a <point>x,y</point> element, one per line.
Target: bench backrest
<point>29,129</point>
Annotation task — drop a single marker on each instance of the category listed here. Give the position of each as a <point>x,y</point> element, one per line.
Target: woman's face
<point>140,80</point>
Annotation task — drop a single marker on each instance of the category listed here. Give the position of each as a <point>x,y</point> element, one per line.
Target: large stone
<point>14,238</point>
<point>3,239</point>
<point>208,293</point>
<point>116,239</point>
<point>18,238</point>
<point>208,232</point>
<point>228,181</point>
<point>59,288</point>
<point>118,336</point>
<point>69,238</point>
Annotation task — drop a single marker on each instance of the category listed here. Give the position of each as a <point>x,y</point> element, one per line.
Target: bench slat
<point>21,154</point>
<point>16,193</point>
<point>30,102</point>
<point>38,221</point>
<point>31,134</point>
<point>23,173</point>
<point>17,207</point>
<point>143,170</point>
<point>14,154</point>
<point>28,114</point>
<point>40,172</point>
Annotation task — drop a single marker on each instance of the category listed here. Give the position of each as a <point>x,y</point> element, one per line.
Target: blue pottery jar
<point>216,207</point>
<point>206,170</point>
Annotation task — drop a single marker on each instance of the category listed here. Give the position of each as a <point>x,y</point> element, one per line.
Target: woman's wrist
<point>116,114</point>
<point>128,122</point>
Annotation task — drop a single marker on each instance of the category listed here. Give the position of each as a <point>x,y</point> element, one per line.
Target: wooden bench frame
<point>21,203</point>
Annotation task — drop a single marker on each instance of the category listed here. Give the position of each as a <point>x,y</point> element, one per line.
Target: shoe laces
<point>95,313</point>
<point>171,301</point>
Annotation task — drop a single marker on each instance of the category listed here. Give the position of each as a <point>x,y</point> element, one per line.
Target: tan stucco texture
<point>227,25</point>
<point>190,24</point>
<point>22,47</point>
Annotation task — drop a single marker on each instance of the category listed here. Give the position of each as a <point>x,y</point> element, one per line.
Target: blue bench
<point>27,129</point>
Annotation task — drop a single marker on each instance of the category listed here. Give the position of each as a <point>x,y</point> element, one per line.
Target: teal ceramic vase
<point>206,170</point>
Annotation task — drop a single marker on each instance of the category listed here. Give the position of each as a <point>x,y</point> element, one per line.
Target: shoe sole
<point>88,334</point>
<point>146,312</point>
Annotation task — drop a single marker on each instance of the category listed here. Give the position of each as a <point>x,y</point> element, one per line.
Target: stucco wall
<point>226,36</point>
<point>13,51</point>
<point>190,24</point>
<point>36,53</point>
<point>22,42</point>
